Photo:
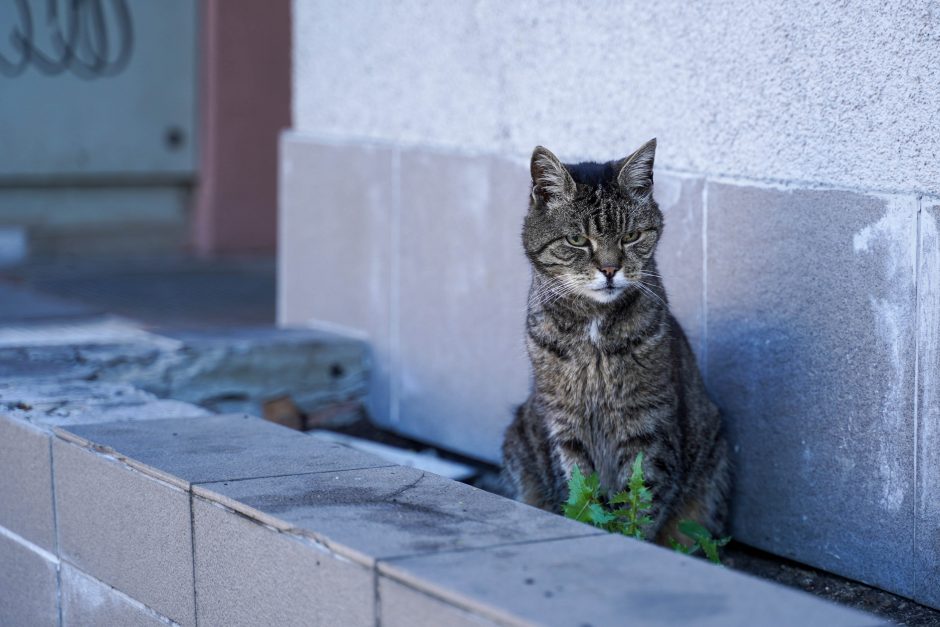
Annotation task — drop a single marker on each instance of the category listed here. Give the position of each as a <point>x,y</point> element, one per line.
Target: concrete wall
<point>797,178</point>
<point>98,140</point>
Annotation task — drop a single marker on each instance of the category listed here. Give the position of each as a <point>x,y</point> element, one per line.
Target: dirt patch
<point>828,586</point>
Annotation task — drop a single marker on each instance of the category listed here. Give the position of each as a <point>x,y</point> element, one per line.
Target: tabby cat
<point>613,373</point>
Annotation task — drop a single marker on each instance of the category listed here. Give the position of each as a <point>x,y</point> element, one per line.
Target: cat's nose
<point>609,271</point>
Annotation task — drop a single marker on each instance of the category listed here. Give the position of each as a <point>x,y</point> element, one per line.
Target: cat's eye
<point>629,238</point>
<point>577,240</point>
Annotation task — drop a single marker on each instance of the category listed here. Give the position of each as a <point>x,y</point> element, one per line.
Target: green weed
<point>627,512</point>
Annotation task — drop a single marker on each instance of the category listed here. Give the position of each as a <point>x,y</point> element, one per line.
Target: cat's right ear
<point>551,183</point>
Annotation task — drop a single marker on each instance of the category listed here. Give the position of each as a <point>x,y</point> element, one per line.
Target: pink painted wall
<point>244,104</point>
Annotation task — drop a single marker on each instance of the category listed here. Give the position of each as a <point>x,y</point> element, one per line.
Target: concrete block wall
<point>800,245</point>
<point>231,520</point>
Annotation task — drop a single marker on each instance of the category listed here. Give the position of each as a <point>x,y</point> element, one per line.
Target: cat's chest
<point>592,359</point>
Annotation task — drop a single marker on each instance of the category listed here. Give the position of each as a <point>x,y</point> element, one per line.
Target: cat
<point>613,373</point>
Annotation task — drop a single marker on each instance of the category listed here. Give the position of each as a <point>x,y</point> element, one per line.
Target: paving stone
<point>217,448</point>
<point>401,606</point>
<point>26,482</point>
<point>249,574</point>
<point>126,529</point>
<point>378,513</point>
<point>352,232</point>
<point>87,601</point>
<point>609,580</point>
<point>679,253</point>
<point>811,337</point>
<point>927,499</point>
<point>463,286</point>
<point>27,585</point>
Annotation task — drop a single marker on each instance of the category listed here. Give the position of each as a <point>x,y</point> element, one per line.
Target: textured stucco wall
<point>822,92</point>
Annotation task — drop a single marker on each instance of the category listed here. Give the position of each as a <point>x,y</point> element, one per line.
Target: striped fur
<point>613,373</point>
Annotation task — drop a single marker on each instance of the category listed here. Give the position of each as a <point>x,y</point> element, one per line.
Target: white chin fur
<point>603,296</point>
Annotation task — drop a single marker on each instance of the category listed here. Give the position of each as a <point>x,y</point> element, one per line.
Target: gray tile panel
<point>250,574</point>
<point>27,585</point>
<point>811,338</point>
<point>610,580</point>
<point>927,498</point>
<point>338,224</point>
<point>402,606</point>
<point>463,286</point>
<point>679,252</point>
<point>87,601</point>
<point>217,448</point>
<point>379,513</point>
<point>126,529</point>
<point>26,482</point>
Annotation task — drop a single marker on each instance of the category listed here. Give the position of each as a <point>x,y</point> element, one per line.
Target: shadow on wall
<point>810,354</point>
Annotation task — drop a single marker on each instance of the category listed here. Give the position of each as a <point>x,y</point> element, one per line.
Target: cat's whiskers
<point>554,290</point>
<point>647,289</point>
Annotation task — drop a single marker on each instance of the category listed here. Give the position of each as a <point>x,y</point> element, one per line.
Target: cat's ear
<point>551,183</point>
<point>635,173</point>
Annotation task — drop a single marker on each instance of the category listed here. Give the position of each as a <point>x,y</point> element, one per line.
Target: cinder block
<point>217,448</point>
<point>679,253</point>
<point>464,282</point>
<point>26,482</point>
<point>609,580</point>
<point>249,574</point>
<point>927,498</point>
<point>126,529</point>
<point>401,606</point>
<point>378,513</point>
<point>338,226</point>
<point>811,342</point>
<point>87,601</point>
<point>27,585</point>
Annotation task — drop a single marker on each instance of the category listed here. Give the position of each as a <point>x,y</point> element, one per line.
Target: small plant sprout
<point>586,504</point>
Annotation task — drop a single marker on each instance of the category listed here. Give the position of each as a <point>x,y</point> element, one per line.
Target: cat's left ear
<point>635,172</point>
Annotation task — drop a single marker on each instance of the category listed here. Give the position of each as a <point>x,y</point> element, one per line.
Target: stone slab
<point>27,585</point>
<point>249,574</point>
<point>610,580</point>
<point>15,392</point>
<point>679,252</point>
<point>217,448</point>
<point>311,367</point>
<point>811,343</point>
<point>50,403</point>
<point>26,482</point>
<point>401,606</point>
<point>87,601</point>
<point>927,498</point>
<point>126,529</point>
<point>78,353</point>
<point>379,513</point>
<point>464,282</point>
<point>338,224</point>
